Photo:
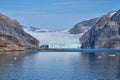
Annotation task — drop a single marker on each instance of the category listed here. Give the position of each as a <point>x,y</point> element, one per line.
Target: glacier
<point>57,39</point>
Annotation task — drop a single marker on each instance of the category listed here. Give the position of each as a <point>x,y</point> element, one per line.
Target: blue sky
<point>56,14</point>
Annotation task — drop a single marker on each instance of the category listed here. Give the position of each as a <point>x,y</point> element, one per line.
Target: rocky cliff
<point>83,26</point>
<point>104,34</point>
<point>13,37</point>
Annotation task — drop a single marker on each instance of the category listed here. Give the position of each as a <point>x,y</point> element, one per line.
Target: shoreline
<point>64,50</point>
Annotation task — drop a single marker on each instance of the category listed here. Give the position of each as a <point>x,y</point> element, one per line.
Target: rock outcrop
<point>83,26</point>
<point>104,34</point>
<point>13,37</point>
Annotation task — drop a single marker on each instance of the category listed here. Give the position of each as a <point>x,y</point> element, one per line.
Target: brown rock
<point>83,26</point>
<point>105,34</point>
<point>13,37</point>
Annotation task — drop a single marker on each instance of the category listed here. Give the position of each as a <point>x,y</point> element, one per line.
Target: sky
<point>56,14</point>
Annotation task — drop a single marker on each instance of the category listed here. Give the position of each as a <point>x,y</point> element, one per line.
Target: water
<point>59,66</point>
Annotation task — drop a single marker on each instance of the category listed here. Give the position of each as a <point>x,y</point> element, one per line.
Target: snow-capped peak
<point>35,29</point>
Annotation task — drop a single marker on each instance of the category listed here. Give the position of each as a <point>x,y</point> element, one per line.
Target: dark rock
<point>83,26</point>
<point>13,37</point>
<point>105,34</point>
<point>44,46</point>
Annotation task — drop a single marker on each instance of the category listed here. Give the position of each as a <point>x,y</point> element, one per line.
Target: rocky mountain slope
<point>13,37</point>
<point>104,34</point>
<point>83,26</point>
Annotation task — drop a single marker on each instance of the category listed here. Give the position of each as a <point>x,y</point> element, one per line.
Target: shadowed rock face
<point>104,34</point>
<point>13,37</point>
<point>83,26</point>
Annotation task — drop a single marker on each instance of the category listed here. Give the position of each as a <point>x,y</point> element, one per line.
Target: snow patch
<point>45,30</point>
<point>112,13</point>
<point>35,29</point>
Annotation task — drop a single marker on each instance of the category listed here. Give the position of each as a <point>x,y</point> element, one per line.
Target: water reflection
<point>59,66</point>
<point>12,57</point>
<point>11,65</point>
<point>103,65</point>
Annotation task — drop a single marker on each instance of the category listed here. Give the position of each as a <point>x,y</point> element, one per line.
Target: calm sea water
<point>59,66</point>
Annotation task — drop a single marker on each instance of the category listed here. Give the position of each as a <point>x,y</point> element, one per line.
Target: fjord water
<point>59,66</point>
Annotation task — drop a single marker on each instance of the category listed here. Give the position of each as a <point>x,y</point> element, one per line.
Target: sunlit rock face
<point>13,37</point>
<point>104,34</point>
<point>83,26</point>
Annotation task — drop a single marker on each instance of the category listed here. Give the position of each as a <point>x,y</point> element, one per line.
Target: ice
<point>112,13</point>
<point>57,39</point>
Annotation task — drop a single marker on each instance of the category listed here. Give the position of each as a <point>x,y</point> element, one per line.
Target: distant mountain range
<point>35,29</point>
<point>39,30</point>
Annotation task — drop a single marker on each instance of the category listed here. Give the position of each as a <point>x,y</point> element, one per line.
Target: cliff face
<point>83,26</point>
<point>13,37</point>
<point>104,34</point>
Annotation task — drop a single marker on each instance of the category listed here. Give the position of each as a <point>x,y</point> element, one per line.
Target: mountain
<point>83,26</point>
<point>104,34</point>
<point>13,37</point>
<point>35,29</point>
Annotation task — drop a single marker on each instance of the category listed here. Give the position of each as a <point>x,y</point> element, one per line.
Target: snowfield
<point>57,39</point>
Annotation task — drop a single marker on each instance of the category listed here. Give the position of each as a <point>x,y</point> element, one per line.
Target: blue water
<point>59,66</point>
<point>73,50</point>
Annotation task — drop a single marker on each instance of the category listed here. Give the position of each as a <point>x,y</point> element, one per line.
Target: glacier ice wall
<point>58,39</point>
